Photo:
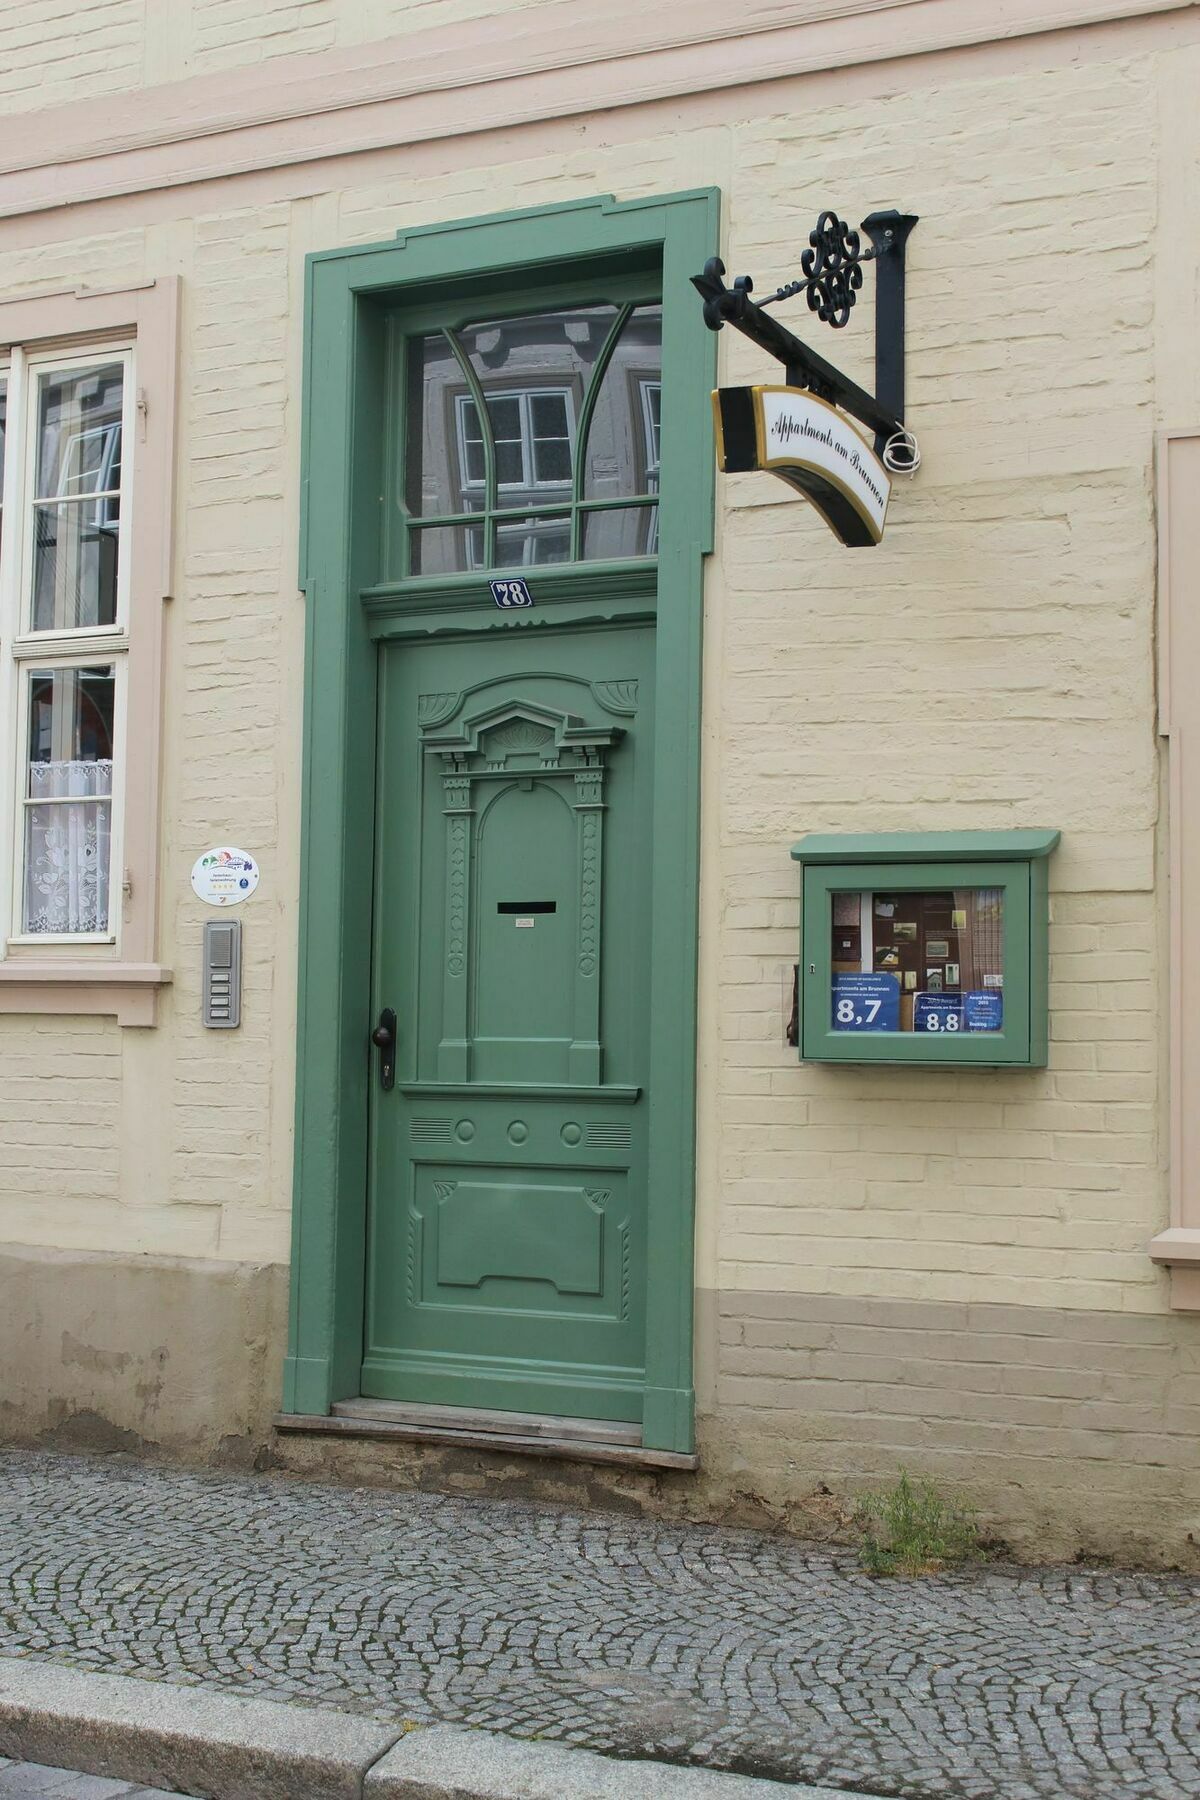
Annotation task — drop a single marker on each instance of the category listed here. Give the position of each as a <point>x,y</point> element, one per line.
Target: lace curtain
<point>67,846</point>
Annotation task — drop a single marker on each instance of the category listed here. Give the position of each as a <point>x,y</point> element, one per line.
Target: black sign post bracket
<point>832,275</point>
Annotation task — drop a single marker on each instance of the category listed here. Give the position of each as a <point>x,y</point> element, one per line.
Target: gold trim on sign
<point>720,425</point>
<point>772,463</point>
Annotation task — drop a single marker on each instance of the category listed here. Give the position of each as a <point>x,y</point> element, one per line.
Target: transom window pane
<point>77,503</point>
<point>623,444</point>
<point>68,800</point>
<point>526,543</point>
<point>532,435</point>
<point>431,485</point>
<point>544,381</point>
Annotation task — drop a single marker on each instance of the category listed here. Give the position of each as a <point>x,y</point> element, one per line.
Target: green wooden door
<point>507,1231</point>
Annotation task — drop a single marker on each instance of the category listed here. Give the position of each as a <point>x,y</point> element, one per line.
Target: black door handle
<point>384,1039</point>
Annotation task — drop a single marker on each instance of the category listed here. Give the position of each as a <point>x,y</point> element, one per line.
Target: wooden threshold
<point>511,1434</point>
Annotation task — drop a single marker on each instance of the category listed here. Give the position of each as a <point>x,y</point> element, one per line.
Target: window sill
<point>1179,1250</point>
<point>1179,1245</point>
<point>126,991</point>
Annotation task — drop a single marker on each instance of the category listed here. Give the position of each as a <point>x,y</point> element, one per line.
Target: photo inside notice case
<point>918,961</point>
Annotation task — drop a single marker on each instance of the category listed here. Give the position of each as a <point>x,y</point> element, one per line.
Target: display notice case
<point>925,948</point>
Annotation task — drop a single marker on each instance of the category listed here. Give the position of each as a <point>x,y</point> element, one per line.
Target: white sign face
<point>798,429</point>
<point>224,877</point>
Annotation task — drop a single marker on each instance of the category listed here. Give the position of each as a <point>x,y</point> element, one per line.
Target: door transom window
<point>531,439</point>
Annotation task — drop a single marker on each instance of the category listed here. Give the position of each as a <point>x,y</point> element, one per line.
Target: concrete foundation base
<point>1072,1433</point>
<point>141,1353</point>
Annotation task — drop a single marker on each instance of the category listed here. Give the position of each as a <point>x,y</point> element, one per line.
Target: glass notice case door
<point>924,961</point>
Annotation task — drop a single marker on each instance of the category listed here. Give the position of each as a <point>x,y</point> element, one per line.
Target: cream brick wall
<point>990,665</point>
<point>58,51</point>
<point>54,51</point>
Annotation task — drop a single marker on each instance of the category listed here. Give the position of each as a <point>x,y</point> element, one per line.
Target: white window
<point>533,430</point>
<point>651,393</point>
<point>64,617</point>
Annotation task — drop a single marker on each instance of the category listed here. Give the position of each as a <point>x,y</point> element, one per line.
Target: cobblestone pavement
<point>725,1648</point>
<point>33,1781</point>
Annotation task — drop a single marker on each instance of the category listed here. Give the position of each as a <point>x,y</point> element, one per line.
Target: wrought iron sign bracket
<point>832,275</point>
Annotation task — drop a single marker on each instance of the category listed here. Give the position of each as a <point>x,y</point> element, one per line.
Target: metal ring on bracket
<point>902,454</point>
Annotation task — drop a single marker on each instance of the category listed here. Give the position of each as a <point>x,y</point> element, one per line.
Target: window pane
<point>549,415</point>
<point>623,443</point>
<point>537,367</point>
<point>445,549</point>
<point>432,482</point>
<point>76,546</point>
<point>510,468</point>
<point>474,465</point>
<point>79,432</point>
<point>534,373</point>
<point>925,962</point>
<point>68,805</point>
<point>524,543</point>
<point>618,531</point>
<point>3,431</point>
<point>505,410</point>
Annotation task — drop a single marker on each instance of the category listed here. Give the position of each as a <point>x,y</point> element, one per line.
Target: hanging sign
<point>224,876</point>
<point>810,445</point>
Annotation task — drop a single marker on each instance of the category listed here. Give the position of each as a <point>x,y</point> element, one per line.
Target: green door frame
<point>347,295</point>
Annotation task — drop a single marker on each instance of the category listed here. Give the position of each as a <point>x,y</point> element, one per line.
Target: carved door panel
<point>508,1216</point>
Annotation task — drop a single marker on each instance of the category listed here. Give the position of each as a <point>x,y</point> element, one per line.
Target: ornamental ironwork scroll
<point>831,280</point>
<point>832,267</point>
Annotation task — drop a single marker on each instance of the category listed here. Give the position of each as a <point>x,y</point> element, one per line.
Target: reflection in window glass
<point>928,962</point>
<point>77,504</point>
<point>535,373</point>
<point>445,549</point>
<point>431,481</point>
<point>623,443</point>
<point>530,543</point>
<point>551,355</point>
<point>620,531</point>
<point>68,801</point>
<point>532,433</point>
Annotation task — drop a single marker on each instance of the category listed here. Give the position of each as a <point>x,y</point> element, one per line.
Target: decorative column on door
<point>584,1055</point>
<point>454,1050</point>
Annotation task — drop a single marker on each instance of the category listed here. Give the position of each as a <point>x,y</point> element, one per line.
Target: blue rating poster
<point>866,1003</point>
<point>937,1012</point>
<point>983,1010</point>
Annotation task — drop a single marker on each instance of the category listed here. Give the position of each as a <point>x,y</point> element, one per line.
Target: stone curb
<point>197,1740</point>
<point>222,1746</point>
<point>447,1763</point>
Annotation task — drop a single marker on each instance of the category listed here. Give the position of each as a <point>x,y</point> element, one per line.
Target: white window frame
<point>117,972</point>
<point>27,649</point>
<point>651,392</point>
<point>523,396</point>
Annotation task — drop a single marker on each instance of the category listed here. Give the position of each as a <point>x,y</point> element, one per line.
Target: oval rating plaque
<point>224,876</point>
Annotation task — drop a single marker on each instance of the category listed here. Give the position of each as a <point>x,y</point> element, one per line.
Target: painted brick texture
<point>991,665</point>
<point>56,52</point>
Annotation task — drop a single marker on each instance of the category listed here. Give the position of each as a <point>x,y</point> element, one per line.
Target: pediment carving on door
<point>518,735</point>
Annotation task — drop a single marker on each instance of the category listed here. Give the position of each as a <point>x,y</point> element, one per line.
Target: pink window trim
<point>1177,469</point>
<point>70,978</point>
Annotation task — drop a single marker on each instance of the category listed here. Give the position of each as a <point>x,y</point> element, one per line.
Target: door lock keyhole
<point>384,1039</point>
